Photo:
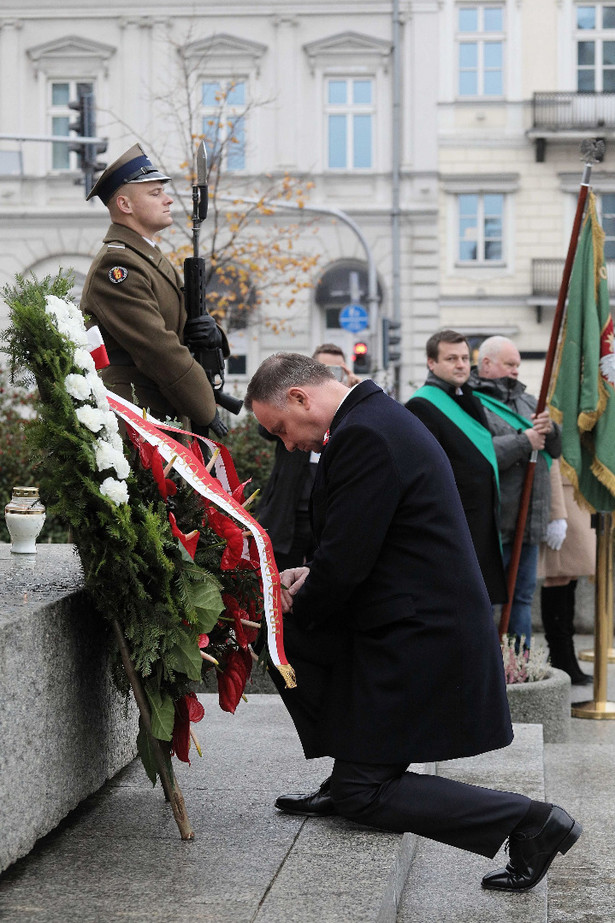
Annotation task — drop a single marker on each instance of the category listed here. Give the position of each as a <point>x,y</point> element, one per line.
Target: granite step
<point>119,857</point>
<point>443,885</point>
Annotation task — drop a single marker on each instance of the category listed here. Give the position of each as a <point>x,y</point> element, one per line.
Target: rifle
<point>204,338</point>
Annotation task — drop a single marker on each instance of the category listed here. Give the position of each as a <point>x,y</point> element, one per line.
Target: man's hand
<point>292,580</point>
<point>537,440</point>
<point>542,422</point>
<point>202,333</point>
<point>350,378</point>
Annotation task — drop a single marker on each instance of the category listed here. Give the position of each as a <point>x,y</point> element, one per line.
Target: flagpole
<point>599,707</point>
<point>610,652</point>
<point>592,151</point>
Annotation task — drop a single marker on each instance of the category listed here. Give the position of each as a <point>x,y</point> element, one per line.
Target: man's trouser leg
<point>466,816</point>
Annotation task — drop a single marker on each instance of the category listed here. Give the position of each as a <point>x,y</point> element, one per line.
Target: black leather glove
<point>202,333</point>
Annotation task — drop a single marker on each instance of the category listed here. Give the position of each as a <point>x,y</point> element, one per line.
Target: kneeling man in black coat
<point>390,629</point>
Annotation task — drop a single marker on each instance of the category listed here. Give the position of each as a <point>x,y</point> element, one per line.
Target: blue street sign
<point>354,318</point>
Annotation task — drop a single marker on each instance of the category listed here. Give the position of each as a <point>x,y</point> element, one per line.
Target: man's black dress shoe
<point>318,804</point>
<point>530,857</point>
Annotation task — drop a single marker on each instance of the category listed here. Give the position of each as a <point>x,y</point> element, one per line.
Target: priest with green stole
<point>449,409</point>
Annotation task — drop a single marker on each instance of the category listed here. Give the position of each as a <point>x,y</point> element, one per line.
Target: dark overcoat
<point>134,294</point>
<point>392,633</point>
<point>476,483</point>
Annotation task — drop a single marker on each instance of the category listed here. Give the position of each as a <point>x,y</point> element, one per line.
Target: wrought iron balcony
<point>570,116</point>
<point>571,112</point>
<point>547,278</point>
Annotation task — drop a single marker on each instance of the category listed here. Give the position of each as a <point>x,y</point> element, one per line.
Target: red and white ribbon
<point>98,350</point>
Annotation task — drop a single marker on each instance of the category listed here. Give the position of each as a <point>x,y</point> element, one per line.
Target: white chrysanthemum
<point>78,387</point>
<point>117,491</point>
<point>68,320</point>
<point>91,417</point>
<point>114,440</point>
<point>98,390</point>
<point>83,360</point>
<point>110,421</point>
<point>57,308</point>
<point>109,457</point>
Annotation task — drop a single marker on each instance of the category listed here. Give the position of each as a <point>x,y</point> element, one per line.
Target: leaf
<point>145,751</point>
<point>206,600</point>
<point>184,657</point>
<point>163,710</point>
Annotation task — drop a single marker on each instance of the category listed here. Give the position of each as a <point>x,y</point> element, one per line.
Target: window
<point>481,223</point>
<point>350,116</point>
<point>481,50</point>
<point>224,122</point>
<point>596,48</point>
<point>61,117</point>
<point>607,209</point>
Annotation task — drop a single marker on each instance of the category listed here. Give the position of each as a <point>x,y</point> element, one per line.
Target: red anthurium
<point>144,449</point>
<point>227,529</point>
<point>166,486</point>
<point>233,609</point>
<point>203,641</point>
<point>239,493</point>
<point>187,709</point>
<point>189,541</point>
<point>232,681</point>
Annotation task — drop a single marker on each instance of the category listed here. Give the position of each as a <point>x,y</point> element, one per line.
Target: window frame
<point>63,111</point>
<point>350,111</point>
<point>480,38</point>
<point>482,239</point>
<point>228,117</point>
<point>597,36</point>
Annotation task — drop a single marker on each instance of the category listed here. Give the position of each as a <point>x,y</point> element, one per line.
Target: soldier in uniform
<point>135,296</point>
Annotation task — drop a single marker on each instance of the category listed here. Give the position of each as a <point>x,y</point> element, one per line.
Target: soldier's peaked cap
<point>134,166</point>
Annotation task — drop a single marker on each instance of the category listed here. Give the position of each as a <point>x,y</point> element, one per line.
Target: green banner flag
<point>582,393</point>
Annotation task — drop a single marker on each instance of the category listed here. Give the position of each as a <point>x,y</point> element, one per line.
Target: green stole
<point>479,436</point>
<point>509,416</point>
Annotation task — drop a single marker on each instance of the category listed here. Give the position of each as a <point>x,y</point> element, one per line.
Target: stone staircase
<point>443,884</point>
<point>119,856</point>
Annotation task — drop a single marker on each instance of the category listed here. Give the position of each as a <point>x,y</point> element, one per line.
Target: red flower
<point>232,681</point>
<point>226,529</point>
<point>189,541</point>
<point>151,458</point>
<point>239,493</point>
<point>187,709</point>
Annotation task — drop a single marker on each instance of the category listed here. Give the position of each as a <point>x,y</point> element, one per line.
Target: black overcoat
<point>392,632</point>
<point>475,479</point>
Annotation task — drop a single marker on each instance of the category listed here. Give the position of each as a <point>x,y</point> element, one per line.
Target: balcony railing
<point>547,277</point>
<point>574,111</point>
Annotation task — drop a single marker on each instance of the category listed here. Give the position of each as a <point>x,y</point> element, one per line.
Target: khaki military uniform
<point>134,295</point>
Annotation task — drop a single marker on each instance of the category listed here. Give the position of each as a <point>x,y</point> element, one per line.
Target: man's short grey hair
<point>492,348</point>
<point>281,371</point>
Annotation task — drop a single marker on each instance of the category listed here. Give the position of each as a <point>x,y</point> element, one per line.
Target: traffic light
<point>361,359</point>
<point>85,127</point>
<point>390,337</point>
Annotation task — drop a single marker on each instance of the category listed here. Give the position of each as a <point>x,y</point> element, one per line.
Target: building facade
<point>317,90</point>
<point>523,84</point>
<point>440,139</point>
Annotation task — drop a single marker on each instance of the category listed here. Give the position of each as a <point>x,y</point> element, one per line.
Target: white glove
<point>556,533</point>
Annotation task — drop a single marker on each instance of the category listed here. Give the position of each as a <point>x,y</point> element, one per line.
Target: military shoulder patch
<point>118,274</point>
